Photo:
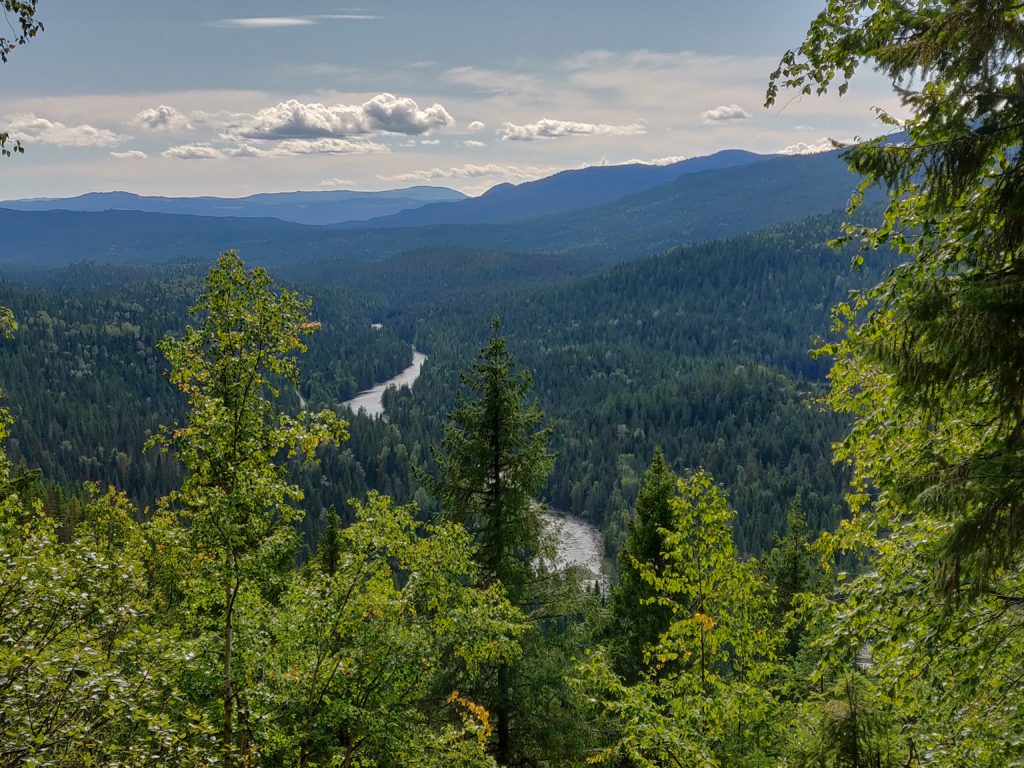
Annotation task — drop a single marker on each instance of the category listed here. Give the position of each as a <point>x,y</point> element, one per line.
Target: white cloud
<point>162,118</point>
<point>271,22</point>
<point>494,81</point>
<point>473,144</point>
<point>803,148</point>
<point>336,182</point>
<point>325,146</point>
<point>264,22</point>
<point>131,154</point>
<point>431,142</point>
<point>471,171</point>
<point>384,113</point>
<point>288,148</point>
<point>725,114</point>
<point>552,129</point>
<point>193,152</point>
<point>668,160</point>
<point>476,125</point>
<point>28,128</point>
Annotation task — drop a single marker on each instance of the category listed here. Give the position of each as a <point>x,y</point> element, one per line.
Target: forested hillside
<point>799,429</point>
<point>702,350</point>
<point>707,205</point>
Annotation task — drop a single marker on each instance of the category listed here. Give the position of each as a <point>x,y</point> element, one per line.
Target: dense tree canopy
<point>945,327</point>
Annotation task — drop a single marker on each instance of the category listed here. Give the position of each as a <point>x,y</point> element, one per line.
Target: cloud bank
<point>547,128</point>
<point>28,128</point>
<point>472,171</point>
<point>131,154</point>
<point>287,148</point>
<point>803,148</point>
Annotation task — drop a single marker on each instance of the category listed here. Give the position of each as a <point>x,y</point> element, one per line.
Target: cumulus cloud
<point>30,128</point>
<point>473,144</point>
<point>472,171</point>
<point>803,148</point>
<point>288,148</point>
<point>384,113</point>
<point>162,118</point>
<point>431,142</point>
<point>131,154</point>
<point>193,152</point>
<point>726,113</point>
<point>548,128</point>
<point>476,125</point>
<point>334,181</point>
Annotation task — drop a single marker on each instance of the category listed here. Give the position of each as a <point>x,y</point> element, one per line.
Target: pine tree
<point>790,568</point>
<point>492,462</point>
<point>637,622</point>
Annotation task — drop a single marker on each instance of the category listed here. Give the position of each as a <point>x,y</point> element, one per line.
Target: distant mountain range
<point>745,192</point>
<point>564,191</point>
<point>299,207</point>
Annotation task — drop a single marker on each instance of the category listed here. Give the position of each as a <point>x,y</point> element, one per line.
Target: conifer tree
<point>941,340</point>
<point>637,621</point>
<point>492,462</point>
<point>790,567</point>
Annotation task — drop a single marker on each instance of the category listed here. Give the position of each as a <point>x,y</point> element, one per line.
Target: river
<point>371,401</point>
<point>579,543</point>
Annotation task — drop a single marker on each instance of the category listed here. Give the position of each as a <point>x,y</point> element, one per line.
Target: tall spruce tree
<point>637,622</point>
<point>492,462</point>
<point>791,569</point>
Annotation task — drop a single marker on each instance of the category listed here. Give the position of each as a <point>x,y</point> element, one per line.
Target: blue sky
<point>232,98</point>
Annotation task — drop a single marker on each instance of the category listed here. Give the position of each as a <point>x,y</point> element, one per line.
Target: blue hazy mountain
<point>301,207</point>
<point>707,205</point>
<point>564,191</point>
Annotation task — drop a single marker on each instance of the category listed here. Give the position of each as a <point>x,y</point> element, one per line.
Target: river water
<point>371,401</point>
<point>579,543</point>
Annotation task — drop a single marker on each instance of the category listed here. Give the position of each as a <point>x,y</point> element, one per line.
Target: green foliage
<point>704,698</point>
<point>350,662</point>
<point>236,505</point>
<point>793,570</point>
<point>930,369</point>
<point>945,326</point>
<point>86,675</point>
<point>637,620</point>
<point>851,728</point>
<point>492,462</point>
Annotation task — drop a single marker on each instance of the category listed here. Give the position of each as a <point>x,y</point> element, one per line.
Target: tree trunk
<point>228,735</point>
<point>504,751</point>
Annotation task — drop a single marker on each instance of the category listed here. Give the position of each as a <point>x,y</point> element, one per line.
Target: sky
<point>231,98</point>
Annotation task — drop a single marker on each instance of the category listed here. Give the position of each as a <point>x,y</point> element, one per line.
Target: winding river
<point>371,401</point>
<point>579,543</point>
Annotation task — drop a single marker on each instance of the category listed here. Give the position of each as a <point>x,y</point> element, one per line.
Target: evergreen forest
<point>785,393</point>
